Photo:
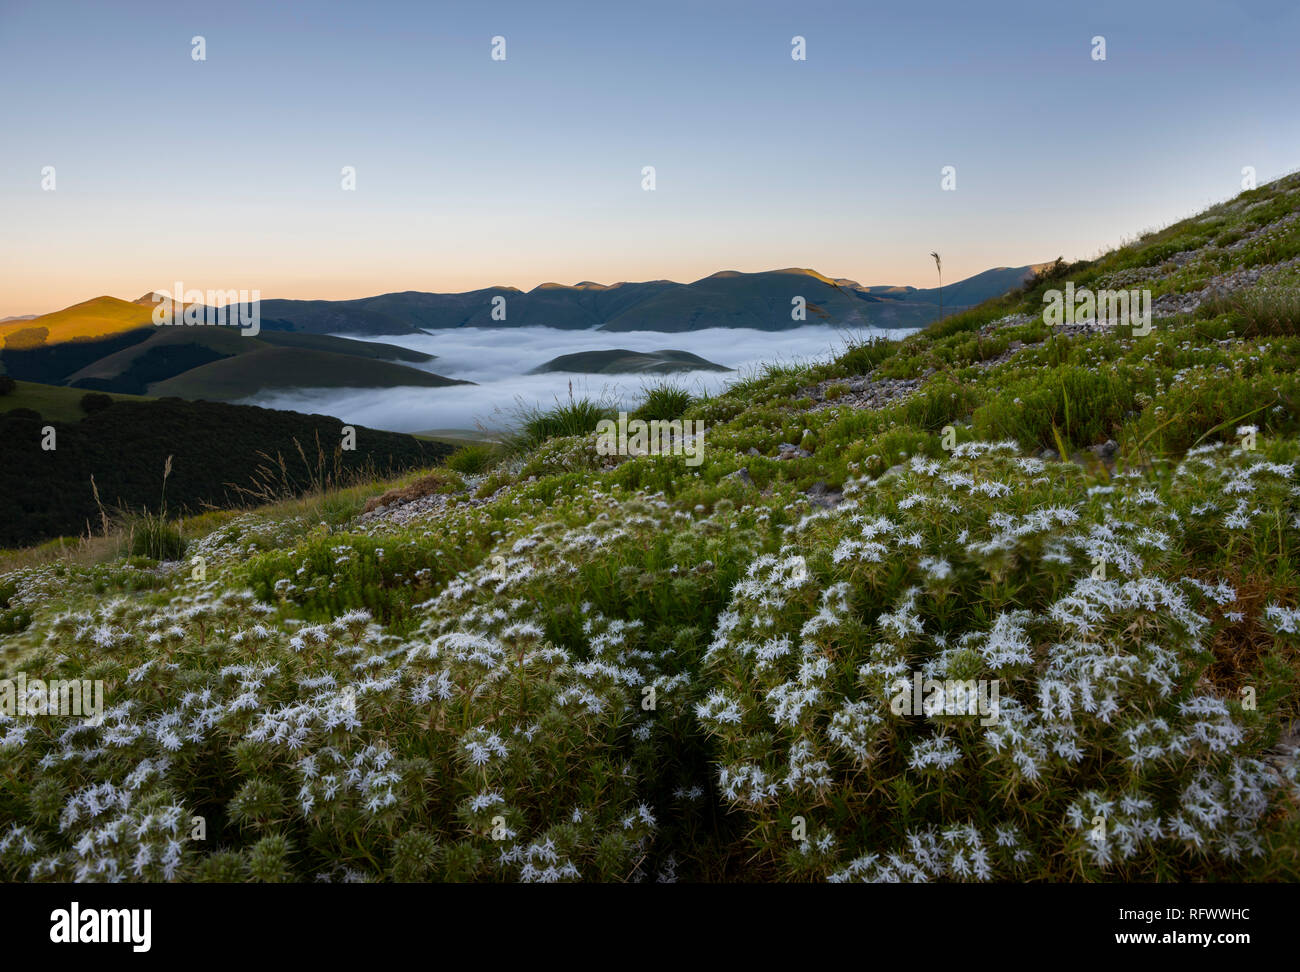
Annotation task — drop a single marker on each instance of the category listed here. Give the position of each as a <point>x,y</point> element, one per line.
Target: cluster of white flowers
<point>1284,620</point>
<point>331,700</point>
<point>539,863</point>
<point>957,853</point>
<point>1099,671</point>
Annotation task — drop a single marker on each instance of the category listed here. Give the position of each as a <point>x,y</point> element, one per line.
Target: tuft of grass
<point>152,535</point>
<point>1259,311</point>
<point>472,459</point>
<point>836,390</point>
<point>861,355</point>
<point>666,400</point>
<point>577,416</point>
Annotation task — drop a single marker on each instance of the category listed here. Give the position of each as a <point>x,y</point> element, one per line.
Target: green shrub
<point>95,402</point>
<point>862,355</point>
<point>336,509</point>
<point>1086,405</point>
<point>836,390</point>
<point>415,857</point>
<point>13,617</point>
<point>471,460</point>
<point>156,538</point>
<point>665,401</point>
<point>1263,311</point>
<point>578,416</point>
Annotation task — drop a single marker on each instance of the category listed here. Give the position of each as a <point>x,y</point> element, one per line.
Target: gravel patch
<point>432,506</point>
<point>864,391</point>
<point>1168,305</point>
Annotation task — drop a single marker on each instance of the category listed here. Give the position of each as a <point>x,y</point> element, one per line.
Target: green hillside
<point>174,360</point>
<point>270,368</point>
<point>53,401</point>
<point>595,667</point>
<point>338,345</point>
<point>620,361</point>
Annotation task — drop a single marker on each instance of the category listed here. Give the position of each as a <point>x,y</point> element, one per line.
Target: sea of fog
<point>498,359</point>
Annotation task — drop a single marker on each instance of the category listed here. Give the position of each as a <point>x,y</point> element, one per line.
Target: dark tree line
<point>216,448</point>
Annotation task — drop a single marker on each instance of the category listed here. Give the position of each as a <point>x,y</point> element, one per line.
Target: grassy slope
<point>171,350</point>
<point>53,401</point>
<point>247,364</point>
<point>98,317</point>
<point>272,368</point>
<point>217,340</point>
<point>458,437</point>
<point>499,722</point>
<point>328,342</point>
<point>229,341</point>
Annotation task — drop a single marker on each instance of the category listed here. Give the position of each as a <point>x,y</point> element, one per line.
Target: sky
<point>226,173</point>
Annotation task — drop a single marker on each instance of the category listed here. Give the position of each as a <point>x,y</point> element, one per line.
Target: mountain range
<point>112,345</point>
<point>762,301</point>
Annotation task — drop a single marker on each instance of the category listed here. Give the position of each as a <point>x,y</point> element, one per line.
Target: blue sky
<point>225,173</point>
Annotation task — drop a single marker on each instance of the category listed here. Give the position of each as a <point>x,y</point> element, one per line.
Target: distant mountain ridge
<point>762,301</point>
<point>111,345</point>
